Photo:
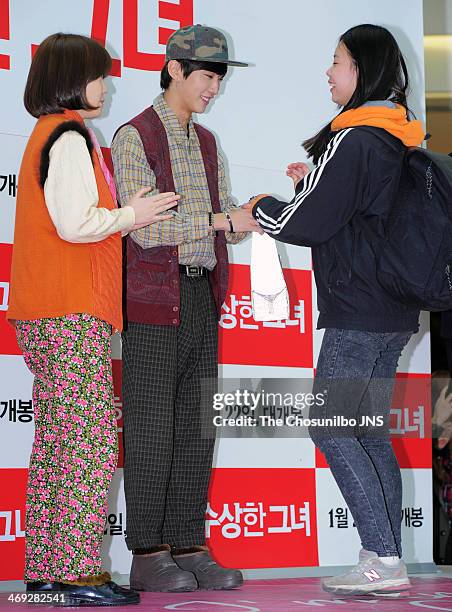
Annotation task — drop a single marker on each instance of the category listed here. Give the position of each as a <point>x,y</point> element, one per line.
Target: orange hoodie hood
<point>393,120</point>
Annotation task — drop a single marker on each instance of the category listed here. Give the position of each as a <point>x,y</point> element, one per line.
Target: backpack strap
<point>399,202</point>
<point>403,191</point>
<point>401,194</point>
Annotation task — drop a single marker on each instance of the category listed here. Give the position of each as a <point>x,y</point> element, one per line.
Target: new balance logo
<point>372,575</point>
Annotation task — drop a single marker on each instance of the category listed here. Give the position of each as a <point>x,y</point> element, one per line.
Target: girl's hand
<point>297,171</point>
<point>149,210</point>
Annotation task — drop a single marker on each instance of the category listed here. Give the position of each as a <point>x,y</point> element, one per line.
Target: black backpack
<point>414,258</point>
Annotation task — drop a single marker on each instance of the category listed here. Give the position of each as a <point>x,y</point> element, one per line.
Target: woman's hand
<point>297,171</point>
<point>149,210</point>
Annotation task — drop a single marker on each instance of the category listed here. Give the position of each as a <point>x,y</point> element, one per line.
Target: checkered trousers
<point>167,456</point>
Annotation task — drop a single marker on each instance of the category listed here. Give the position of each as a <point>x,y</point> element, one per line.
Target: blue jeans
<point>355,375</point>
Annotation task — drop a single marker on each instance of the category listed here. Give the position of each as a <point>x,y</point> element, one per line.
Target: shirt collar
<point>171,122</point>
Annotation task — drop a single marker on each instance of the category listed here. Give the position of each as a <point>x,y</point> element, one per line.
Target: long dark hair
<point>382,75</point>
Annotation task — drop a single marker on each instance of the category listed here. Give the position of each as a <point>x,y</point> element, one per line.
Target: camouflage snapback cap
<point>199,43</point>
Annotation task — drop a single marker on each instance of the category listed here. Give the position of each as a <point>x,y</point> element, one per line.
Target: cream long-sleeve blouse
<point>71,195</point>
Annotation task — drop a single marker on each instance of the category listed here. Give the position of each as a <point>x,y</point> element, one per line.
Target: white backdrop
<point>260,118</point>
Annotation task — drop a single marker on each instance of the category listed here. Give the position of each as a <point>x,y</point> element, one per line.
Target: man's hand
<point>242,221</point>
<point>297,171</point>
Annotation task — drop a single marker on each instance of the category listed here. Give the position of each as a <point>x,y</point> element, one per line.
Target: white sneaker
<point>370,576</point>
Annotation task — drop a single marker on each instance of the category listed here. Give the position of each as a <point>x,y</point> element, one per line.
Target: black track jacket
<point>355,181</point>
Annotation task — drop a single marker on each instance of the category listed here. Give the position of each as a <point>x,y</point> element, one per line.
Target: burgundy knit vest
<point>152,275</point>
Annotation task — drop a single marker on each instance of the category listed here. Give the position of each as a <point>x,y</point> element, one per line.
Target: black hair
<point>60,70</point>
<point>189,66</point>
<point>381,75</point>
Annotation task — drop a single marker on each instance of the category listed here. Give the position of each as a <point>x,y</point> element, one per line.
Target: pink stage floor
<point>428,593</point>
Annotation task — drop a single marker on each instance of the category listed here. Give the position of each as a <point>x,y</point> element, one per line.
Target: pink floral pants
<point>74,452</point>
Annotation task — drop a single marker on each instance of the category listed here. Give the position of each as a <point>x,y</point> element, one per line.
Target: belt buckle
<point>193,270</point>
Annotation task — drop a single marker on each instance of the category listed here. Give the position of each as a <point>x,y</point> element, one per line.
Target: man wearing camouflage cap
<point>176,281</point>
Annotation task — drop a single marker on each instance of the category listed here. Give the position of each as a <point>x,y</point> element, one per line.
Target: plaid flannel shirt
<point>189,227</point>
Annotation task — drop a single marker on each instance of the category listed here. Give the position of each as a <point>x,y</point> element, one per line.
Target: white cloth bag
<point>269,295</point>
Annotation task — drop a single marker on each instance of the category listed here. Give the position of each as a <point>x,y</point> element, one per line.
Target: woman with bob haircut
<point>358,159</point>
<point>65,302</point>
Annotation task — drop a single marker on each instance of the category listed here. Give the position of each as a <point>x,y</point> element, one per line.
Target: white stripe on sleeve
<point>310,182</point>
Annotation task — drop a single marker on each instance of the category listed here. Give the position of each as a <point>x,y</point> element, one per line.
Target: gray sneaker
<point>369,576</point>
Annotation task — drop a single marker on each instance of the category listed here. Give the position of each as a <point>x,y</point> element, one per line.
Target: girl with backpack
<point>65,302</point>
<point>358,158</point>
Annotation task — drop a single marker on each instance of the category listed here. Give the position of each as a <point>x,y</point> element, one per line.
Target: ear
<point>175,71</point>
